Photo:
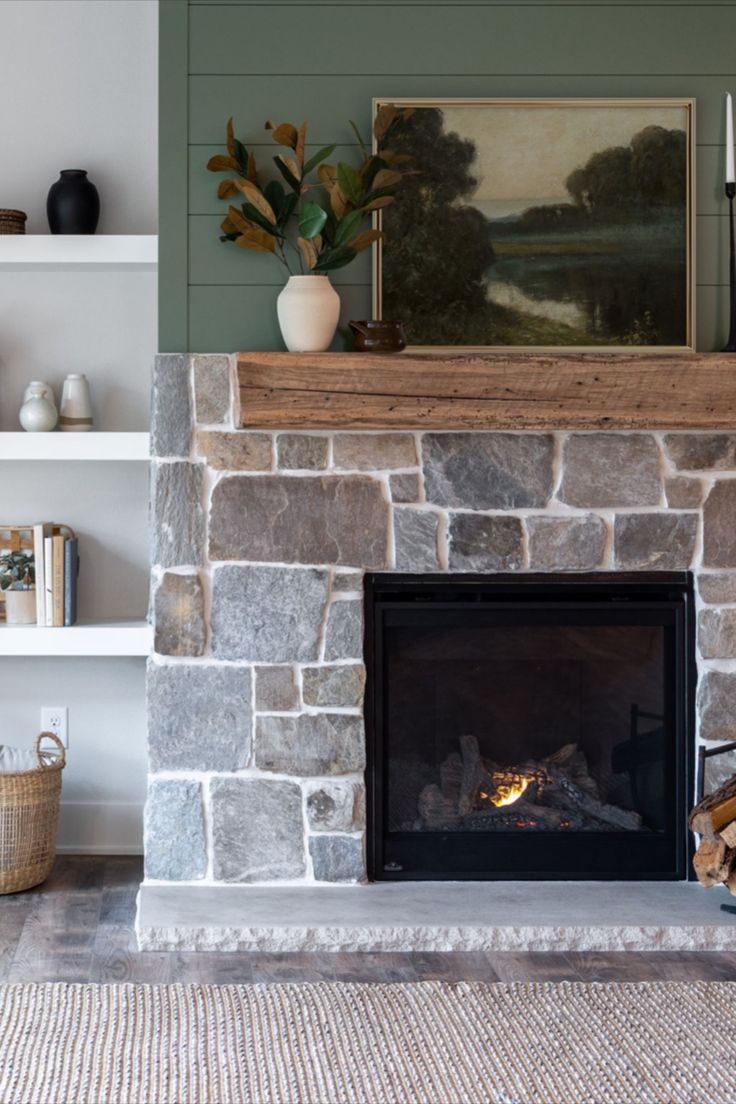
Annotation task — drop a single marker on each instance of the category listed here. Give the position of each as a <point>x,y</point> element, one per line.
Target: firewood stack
<point>714,820</point>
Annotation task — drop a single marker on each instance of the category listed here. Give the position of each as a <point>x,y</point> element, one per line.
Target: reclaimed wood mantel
<point>486,391</point>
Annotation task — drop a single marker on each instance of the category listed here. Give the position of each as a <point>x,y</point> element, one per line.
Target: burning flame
<point>508,793</point>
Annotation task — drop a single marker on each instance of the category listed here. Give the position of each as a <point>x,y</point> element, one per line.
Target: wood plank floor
<point>78,927</point>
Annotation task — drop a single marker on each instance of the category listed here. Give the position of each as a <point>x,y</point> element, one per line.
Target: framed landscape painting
<point>540,224</point>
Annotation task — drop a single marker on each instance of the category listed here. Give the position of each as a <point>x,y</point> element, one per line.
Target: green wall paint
<point>297,59</point>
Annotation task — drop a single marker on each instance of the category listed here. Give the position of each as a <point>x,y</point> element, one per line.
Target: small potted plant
<point>17,579</point>
<point>312,223</point>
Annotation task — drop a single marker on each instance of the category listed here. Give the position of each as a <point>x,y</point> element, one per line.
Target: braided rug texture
<point>358,1043</point>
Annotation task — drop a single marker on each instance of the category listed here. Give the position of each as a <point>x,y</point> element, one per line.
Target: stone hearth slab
<point>437,916</point>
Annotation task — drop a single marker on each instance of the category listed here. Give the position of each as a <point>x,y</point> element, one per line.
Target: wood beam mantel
<point>489,391</point>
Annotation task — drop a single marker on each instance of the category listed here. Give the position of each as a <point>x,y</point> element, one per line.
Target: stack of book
<point>56,557</point>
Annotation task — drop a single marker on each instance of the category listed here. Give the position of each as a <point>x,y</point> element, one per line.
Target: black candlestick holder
<point>730,346</point>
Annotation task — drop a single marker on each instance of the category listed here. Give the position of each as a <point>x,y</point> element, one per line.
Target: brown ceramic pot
<point>374,336</point>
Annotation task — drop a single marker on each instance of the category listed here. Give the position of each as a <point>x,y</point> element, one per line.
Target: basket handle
<point>60,761</point>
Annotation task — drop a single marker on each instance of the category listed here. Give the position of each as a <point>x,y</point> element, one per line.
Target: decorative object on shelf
<point>30,804</point>
<point>48,391</point>
<point>73,204</point>
<point>730,346</point>
<point>76,405</point>
<point>38,413</point>
<point>17,580</point>
<point>316,222</point>
<point>49,553</point>
<point>375,336</point>
<point>544,223</point>
<point>11,221</point>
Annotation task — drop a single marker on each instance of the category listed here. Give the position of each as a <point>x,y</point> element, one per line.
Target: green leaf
<point>349,184</point>
<point>334,258</point>
<point>290,202</point>
<point>287,174</point>
<point>241,155</point>
<point>347,227</point>
<point>275,195</point>
<point>312,220</point>
<point>330,228</point>
<point>316,158</point>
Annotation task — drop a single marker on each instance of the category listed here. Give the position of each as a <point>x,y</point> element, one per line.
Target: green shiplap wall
<point>324,62</point>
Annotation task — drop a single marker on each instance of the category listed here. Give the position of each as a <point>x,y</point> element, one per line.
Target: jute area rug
<point>433,1042</point>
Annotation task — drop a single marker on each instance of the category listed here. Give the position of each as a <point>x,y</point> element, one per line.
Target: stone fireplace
<point>261,545</point>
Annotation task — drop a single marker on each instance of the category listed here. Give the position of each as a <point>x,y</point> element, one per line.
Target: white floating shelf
<point>78,251</point>
<point>113,638</point>
<point>74,446</point>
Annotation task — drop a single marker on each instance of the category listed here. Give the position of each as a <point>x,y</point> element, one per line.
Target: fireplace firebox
<point>536,726</point>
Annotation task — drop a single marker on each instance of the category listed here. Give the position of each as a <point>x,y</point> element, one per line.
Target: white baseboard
<point>94,829</point>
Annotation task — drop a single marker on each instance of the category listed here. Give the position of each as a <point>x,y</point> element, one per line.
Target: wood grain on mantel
<point>486,391</point>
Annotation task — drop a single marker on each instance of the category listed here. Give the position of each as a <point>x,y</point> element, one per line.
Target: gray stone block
<point>199,717</point>
<point>405,487</point>
<point>717,633</point>
<point>611,469</point>
<point>719,525</point>
<point>177,517</point>
<point>340,686</point>
<point>566,544</point>
<point>415,536</point>
<point>479,543</point>
<point>344,631</point>
<point>171,415</point>
<point>488,471</point>
<point>373,451</point>
<point>234,450</point>
<point>300,519</point>
<point>336,806</point>
<point>718,587</point>
<point>683,493</point>
<point>654,542</point>
<point>302,451</point>
<point>310,744</point>
<point>348,581</point>
<point>717,705</point>
<point>180,628</point>
<point>267,614</point>
<point>276,690</point>
<point>702,451</point>
<point>211,388</point>
<point>337,858</point>
<point>257,830</point>
<point>175,846</point>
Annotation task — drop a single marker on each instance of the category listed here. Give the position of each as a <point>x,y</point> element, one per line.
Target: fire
<point>507,794</point>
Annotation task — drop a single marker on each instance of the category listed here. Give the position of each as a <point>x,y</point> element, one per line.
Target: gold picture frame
<point>675,238</point>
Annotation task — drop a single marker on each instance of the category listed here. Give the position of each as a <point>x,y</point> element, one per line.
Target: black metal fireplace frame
<point>409,856</point>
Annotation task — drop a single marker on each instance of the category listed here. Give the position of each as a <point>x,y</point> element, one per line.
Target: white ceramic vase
<point>76,405</point>
<point>308,309</point>
<point>38,413</point>
<point>20,607</point>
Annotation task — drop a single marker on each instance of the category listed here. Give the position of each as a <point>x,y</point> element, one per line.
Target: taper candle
<point>730,173</point>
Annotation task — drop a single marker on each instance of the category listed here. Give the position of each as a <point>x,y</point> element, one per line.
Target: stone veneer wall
<point>256,742</point>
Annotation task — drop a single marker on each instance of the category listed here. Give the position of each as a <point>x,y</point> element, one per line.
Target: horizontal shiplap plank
<point>432,39</point>
<point>226,319</point>
<point>467,3</point>
<point>328,102</point>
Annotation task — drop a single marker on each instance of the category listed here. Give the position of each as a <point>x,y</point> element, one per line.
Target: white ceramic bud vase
<point>76,405</point>
<point>38,414</point>
<point>308,309</point>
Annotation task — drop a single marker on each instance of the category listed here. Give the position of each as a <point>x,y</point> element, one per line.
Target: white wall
<point>79,80</point>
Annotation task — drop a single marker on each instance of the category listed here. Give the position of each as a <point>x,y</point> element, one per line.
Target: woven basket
<point>29,815</point>
<point>12,222</point>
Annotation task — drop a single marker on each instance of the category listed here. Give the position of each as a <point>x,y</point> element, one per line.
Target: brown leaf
<point>391,157</point>
<point>384,201</point>
<point>220,163</point>
<point>226,189</point>
<point>383,120</point>
<point>300,140</point>
<point>364,239</point>
<point>268,125</point>
<point>338,203</point>
<point>385,178</point>
<point>309,253</point>
<point>286,135</point>
<point>317,242</point>
<point>252,174</point>
<point>327,175</point>
<point>230,137</point>
<point>291,165</point>
<point>256,239</point>
<point>238,219</point>
<point>228,227</point>
<point>255,196</point>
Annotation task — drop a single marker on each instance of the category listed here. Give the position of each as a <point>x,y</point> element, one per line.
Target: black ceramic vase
<point>73,204</point>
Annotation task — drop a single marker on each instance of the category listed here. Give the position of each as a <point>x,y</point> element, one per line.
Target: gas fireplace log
<point>728,834</point>
<point>451,776</point>
<point>563,793</point>
<point>715,811</point>
<point>436,810</point>
<point>713,862</point>
<point>474,776</point>
<point>523,814</point>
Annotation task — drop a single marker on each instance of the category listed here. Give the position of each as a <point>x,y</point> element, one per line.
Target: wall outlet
<point>55,718</point>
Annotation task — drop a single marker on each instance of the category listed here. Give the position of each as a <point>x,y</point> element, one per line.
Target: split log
<point>573,761</point>
<point>436,810</point>
<point>713,862</point>
<point>715,811</point>
<point>561,792</point>
<point>451,776</point>
<point>728,834</point>
<point>474,776</point>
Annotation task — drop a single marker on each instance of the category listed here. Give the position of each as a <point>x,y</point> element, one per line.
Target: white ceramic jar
<point>76,405</point>
<point>38,414</point>
<point>20,607</point>
<point>308,309</point>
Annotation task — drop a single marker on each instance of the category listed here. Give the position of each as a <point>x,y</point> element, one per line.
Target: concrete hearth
<point>436,916</point>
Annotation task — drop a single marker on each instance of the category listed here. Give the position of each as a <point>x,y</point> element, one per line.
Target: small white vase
<point>20,607</point>
<point>308,309</point>
<point>48,391</point>
<point>76,405</point>
<point>38,414</point>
